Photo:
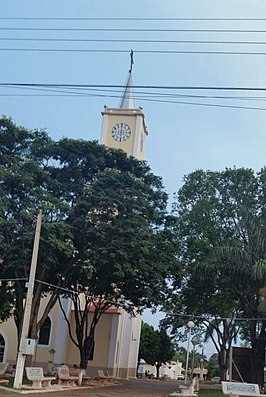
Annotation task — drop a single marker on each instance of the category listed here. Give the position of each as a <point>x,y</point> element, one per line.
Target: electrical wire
<point>177,315</point>
<point>174,102</point>
<point>128,19</point>
<point>151,94</point>
<point>193,316</point>
<point>54,88</point>
<point>131,30</point>
<point>132,41</point>
<point>157,87</point>
<point>135,51</point>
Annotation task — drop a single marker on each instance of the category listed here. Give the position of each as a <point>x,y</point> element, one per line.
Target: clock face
<point>121,132</point>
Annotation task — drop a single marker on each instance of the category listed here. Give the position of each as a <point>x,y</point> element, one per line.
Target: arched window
<point>45,330</point>
<point>2,348</point>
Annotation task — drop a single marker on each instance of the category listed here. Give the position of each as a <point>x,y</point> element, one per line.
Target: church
<point>117,334</point>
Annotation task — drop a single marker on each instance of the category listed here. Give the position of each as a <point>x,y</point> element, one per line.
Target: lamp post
<point>195,341</point>
<point>201,368</point>
<point>190,325</point>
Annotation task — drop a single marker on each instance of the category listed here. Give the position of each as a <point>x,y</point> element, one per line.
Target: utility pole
<point>27,311</point>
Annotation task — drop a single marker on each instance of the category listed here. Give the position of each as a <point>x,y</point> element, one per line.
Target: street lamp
<point>195,341</point>
<point>190,325</point>
<point>201,368</point>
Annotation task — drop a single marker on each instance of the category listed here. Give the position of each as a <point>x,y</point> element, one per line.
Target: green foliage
<point>105,229</point>
<point>156,347</point>
<point>180,355</point>
<point>149,344</point>
<point>213,366</point>
<point>219,226</point>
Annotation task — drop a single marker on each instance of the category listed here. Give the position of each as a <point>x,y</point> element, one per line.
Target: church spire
<point>127,100</point>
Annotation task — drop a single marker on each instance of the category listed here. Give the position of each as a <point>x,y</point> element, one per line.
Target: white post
<point>27,311</point>
<point>190,325</point>
<point>201,368</point>
<point>230,370</point>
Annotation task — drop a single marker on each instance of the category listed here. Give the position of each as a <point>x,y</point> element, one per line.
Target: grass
<point>9,384</point>
<point>210,393</point>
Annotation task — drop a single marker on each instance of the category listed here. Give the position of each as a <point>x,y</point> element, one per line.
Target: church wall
<point>8,331</point>
<point>42,352</point>
<point>102,342</point>
<point>129,346</point>
<point>134,346</point>
<point>113,337</point>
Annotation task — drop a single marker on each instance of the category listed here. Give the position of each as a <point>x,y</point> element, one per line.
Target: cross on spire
<point>131,61</point>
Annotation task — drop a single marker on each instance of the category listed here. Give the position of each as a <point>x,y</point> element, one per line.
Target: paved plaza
<point>126,388</point>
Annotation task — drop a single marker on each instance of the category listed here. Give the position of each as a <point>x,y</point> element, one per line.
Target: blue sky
<point>182,137</point>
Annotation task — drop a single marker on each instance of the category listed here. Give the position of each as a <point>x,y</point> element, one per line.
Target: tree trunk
<point>157,370</point>
<point>83,361</point>
<point>223,361</point>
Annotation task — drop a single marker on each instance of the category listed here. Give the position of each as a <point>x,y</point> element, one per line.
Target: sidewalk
<point>127,388</point>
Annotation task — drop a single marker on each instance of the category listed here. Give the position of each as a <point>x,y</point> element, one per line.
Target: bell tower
<point>124,127</point>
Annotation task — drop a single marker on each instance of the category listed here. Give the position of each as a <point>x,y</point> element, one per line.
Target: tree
<point>166,350</point>
<point>6,301</point>
<point>180,354</point>
<point>25,187</point>
<point>90,196</point>
<point>242,260</point>
<point>209,210</point>
<point>127,249</point>
<point>148,348</point>
<point>213,366</point>
<point>156,347</point>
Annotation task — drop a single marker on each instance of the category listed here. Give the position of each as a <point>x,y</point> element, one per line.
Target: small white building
<point>169,370</point>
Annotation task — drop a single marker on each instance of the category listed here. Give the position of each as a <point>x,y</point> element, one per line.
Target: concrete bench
<point>3,368</point>
<point>64,377</point>
<point>188,390</point>
<point>235,389</point>
<point>101,374</point>
<point>35,375</point>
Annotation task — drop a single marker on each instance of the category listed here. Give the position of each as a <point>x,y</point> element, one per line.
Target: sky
<point>188,128</point>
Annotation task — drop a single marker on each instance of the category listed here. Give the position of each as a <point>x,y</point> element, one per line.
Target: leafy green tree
<point>24,188</point>
<point>166,349</point>
<point>215,286</point>
<point>149,347</point>
<point>105,231</point>
<point>213,366</point>
<point>127,248</point>
<point>180,354</point>
<point>6,301</point>
<point>243,260</point>
<point>156,347</point>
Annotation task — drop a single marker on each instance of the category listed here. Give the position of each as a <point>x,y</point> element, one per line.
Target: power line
<point>135,51</point>
<point>132,41</point>
<point>129,19</point>
<point>136,92</point>
<point>132,30</point>
<point>179,102</point>
<point>157,87</point>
